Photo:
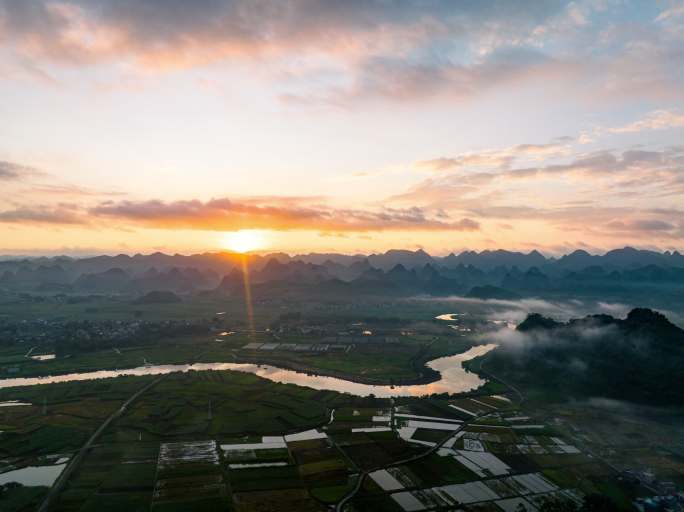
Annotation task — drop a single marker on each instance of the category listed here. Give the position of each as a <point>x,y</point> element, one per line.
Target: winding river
<point>453,377</point>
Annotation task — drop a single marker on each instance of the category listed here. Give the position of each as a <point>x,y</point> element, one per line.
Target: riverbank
<point>424,374</point>
<point>428,375</point>
<point>453,378</point>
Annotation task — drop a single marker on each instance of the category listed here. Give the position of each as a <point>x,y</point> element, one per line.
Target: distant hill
<point>490,259</point>
<point>624,275</point>
<point>639,358</point>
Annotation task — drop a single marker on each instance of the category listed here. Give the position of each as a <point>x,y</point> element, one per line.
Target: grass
<point>73,411</point>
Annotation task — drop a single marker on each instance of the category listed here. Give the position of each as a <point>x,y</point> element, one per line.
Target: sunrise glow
<point>243,241</point>
<point>340,127</point>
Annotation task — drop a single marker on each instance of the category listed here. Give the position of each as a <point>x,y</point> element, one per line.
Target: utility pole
<point>209,411</point>
<point>44,405</point>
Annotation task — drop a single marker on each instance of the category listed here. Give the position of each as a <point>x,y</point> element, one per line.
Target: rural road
<point>78,458</point>
<point>342,504</point>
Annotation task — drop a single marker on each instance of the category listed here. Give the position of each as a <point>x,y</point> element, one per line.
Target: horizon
<point>305,126</point>
<point>294,255</point>
<point>349,255</point>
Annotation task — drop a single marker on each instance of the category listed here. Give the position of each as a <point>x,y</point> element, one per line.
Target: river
<point>453,377</point>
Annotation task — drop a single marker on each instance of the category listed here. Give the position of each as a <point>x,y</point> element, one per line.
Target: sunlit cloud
<point>227,215</point>
<point>379,50</point>
<point>493,159</point>
<point>657,120</point>
<point>59,215</point>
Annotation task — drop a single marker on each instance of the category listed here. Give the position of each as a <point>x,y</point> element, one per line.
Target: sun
<point>243,241</point>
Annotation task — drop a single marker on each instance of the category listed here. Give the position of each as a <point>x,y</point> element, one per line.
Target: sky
<point>326,126</point>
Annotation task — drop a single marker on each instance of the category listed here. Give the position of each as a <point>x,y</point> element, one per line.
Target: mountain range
<point>495,274</point>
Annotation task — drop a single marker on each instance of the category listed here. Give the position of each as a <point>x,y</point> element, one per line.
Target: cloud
<point>13,171</point>
<point>275,213</point>
<point>71,191</point>
<point>401,78</point>
<point>174,32</point>
<point>641,225</point>
<point>227,215</point>
<point>473,179</point>
<point>656,120</point>
<point>512,312</point>
<point>59,215</point>
<point>566,194</point>
<point>671,13</point>
<point>400,51</point>
<point>495,159</point>
<point>397,51</point>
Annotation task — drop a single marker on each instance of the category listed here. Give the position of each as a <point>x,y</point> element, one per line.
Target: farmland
<point>229,440</point>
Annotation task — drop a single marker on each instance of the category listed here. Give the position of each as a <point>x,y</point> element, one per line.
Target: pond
<point>453,377</point>
<point>44,357</point>
<point>33,475</point>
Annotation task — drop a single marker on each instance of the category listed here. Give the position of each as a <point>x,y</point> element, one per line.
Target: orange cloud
<point>226,215</point>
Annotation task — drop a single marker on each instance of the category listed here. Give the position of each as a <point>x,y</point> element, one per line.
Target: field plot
<point>471,492</point>
<point>310,466</point>
<point>515,504</point>
<point>189,443</point>
<point>480,466</point>
<point>210,404</point>
<point>189,475</point>
<point>435,470</point>
<point>113,477</point>
<point>530,490</point>
<point>60,417</point>
<point>408,501</point>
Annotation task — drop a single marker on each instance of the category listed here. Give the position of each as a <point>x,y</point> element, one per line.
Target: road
<point>341,504</point>
<point>521,398</point>
<point>76,460</point>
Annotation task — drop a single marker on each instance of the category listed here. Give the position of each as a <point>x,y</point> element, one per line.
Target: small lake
<point>454,378</point>
<point>33,475</point>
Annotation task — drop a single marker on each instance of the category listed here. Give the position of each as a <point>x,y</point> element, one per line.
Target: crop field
<point>166,451</point>
<point>193,442</point>
<point>60,417</point>
<point>222,440</point>
<point>482,460</point>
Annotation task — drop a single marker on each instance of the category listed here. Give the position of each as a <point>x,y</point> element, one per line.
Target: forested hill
<point>637,359</point>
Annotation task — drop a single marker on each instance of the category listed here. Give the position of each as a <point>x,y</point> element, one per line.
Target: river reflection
<point>454,378</point>
<point>449,317</point>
